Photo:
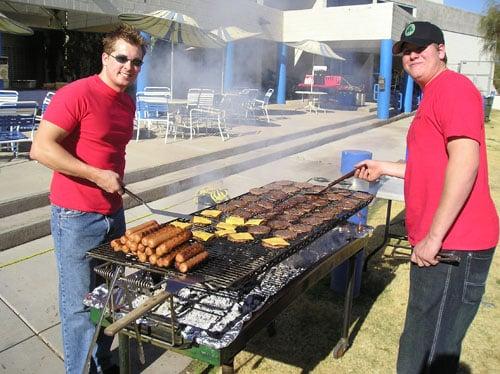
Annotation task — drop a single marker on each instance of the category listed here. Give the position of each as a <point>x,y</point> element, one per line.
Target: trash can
<point>338,276</point>
<point>487,105</point>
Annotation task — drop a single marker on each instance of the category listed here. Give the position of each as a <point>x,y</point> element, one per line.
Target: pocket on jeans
<point>70,213</point>
<point>475,278</point>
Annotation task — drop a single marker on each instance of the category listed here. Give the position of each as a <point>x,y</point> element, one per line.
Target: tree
<point>490,28</point>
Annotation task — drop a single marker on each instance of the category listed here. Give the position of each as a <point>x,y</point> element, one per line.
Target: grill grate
<point>236,265</point>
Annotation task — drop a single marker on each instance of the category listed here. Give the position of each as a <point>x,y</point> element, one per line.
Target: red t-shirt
<point>451,107</point>
<point>99,121</point>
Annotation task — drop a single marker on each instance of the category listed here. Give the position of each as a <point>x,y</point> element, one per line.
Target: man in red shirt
<point>448,205</point>
<point>82,137</point>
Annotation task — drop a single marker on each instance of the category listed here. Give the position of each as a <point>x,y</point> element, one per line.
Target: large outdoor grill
<point>242,286</point>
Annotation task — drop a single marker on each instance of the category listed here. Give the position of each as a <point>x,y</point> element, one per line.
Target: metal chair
<point>45,104</point>
<point>9,96</point>
<point>206,114</point>
<point>16,118</point>
<point>262,104</point>
<point>152,109</point>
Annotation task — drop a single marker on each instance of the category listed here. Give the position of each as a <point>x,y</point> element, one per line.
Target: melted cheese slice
<point>201,220</point>
<point>222,233</point>
<point>225,226</point>
<point>181,225</point>
<point>212,213</point>
<point>235,220</point>
<point>276,241</point>
<point>254,222</point>
<point>202,235</point>
<point>240,236</point>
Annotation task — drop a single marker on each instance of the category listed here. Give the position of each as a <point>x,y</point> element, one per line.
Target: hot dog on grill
<point>153,259</point>
<point>188,252</point>
<point>169,258</point>
<point>173,242</point>
<point>139,234</point>
<point>184,267</point>
<point>116,244</point>
<point>142,257</point>
<point>123,239</point>
<point>152,240</point>
<point>130,231</point>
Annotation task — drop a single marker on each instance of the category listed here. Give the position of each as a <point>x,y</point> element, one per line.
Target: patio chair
<point>45,104</point>
<point>206,114</point>
<point>158,91</point>
<point>152,110</point>
<point>8,96</point>
<point>262,104</point>
<point>16,118</point>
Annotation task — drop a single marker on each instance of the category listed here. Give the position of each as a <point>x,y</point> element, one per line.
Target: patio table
<point>313,100</point>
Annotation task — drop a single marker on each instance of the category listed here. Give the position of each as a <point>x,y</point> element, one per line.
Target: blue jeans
<point>75,233</point>
<point>443,301</point>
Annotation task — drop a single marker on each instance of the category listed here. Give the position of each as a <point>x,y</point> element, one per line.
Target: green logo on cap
<point>410,29</point>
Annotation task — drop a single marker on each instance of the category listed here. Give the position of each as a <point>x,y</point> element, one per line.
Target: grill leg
<point>227,368</point>
<point>385,240</point>
<point>124,353</point>
<point>343,343</point>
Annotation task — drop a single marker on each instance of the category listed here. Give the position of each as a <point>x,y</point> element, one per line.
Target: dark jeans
<point>442,303</point>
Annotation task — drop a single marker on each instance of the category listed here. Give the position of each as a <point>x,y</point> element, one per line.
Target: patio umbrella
<point>10,26</point>
<point>230,34</point>
<point>315,47</point>
<point>174,27</point>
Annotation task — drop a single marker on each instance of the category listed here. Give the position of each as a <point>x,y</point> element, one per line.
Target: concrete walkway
<point>294,146</point>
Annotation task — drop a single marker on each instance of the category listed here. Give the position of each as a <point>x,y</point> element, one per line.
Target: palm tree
<point>490,28</point>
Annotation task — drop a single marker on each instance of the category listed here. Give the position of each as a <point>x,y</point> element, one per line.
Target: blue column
<point>408,99</point>
<point>228,67</point>
<point>281,85</point>
<point>143,78</point>
<point>1,80</point>
<point>384,96</point>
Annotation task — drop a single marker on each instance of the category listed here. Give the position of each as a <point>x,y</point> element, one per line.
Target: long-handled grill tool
<point>156,211</point>
<point>448,258</point>
<point>331,184</point>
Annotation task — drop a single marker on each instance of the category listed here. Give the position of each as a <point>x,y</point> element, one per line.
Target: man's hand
<point>108,180</point>
<point>369,170</point>
<point>425,252</point>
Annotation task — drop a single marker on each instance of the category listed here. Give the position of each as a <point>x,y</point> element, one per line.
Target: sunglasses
<point>123,60</point>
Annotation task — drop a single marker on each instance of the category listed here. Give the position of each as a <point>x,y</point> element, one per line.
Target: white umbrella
<point>174,27</point>
<point>10,26</point>
<point>314,47</point>
<point>231,34</point>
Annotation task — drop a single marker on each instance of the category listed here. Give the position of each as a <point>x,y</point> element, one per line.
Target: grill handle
<point>343,177</point>
<point>138,312</point>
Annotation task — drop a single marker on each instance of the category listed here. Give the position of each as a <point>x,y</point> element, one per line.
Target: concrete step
<point>165,180</point>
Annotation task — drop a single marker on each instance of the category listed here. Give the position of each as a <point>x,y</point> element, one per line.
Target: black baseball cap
<point>419,33</point>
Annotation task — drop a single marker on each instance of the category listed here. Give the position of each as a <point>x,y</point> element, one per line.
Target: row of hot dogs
<point>161,245</point>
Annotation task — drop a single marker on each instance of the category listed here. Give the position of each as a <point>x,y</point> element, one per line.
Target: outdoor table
<point>313,101</point>
<point>390,189</point>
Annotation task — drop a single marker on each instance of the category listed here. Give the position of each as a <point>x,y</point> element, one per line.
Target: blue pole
<point>1,80</point>
<point>228,67</point>
<point>384,96</point>
<point>143,77</point>
<point>408,103</point>
<point>281,87</point>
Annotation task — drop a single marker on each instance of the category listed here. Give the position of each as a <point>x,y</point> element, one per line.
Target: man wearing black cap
<point>448,205</point>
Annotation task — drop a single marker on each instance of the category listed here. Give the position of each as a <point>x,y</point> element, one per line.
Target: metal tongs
<point>331,184</point>
<point>153,210</point>
<point>447,257</point>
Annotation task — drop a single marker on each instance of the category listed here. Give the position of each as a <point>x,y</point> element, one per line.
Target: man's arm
<point>461,172</point>
<point>371,170</point>
<point>47,149</point>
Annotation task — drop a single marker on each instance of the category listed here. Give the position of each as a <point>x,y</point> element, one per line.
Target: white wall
<point>358,22</point>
